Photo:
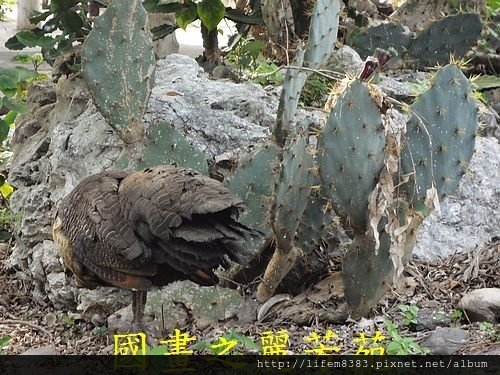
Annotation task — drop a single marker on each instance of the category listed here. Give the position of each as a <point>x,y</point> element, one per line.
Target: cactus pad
<point>453,35</point>
<point>253,181</point>
<point>387,35</point>
<point>292,87</point>
<point>322,33</point>
<point>118,66</point>
<point>351,153</point>
<point>316,223</point>
<point>440,136</point>
<point>368,273</point>
<point>293,187</point>
<point>166,145</point>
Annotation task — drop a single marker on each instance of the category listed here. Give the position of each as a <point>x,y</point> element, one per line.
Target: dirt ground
<point>437,286</point>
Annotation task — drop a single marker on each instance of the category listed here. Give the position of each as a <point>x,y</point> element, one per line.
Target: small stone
<point>43,350</point>
<point>446,341</point>
<point>50,319</point>
<point>482,305</point>
<point>430,319</point>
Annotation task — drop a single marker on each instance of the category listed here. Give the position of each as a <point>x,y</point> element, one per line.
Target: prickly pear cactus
<point>440,137</point>
<point>292,87</point>
<point>322,37</point>
<point>453,35</point>
<point>253,181</point>
<point>368,272</point>
<point>293,186</point>
<point>118,65</point>
<point>387,35</point>
<point>351,153</point>
<point>316,223</point>
<point>165,145</point>
<point>322,33</point>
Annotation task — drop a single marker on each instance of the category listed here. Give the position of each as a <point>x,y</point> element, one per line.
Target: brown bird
<point>137,229</point>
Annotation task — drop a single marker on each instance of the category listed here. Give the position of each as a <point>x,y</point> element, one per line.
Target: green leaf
<point>4,340</point>
<point>62,5</point>
<point>6,190</point>
<point>37,16</point>
<point>236,15</point>
<point>11,77</point>
<point>14,44</point>
<point>4,130</point>
<point>4,236</point>
<point>10,117</point>
<point>211,12</point>
<point>155,6</point>
<point>486,82</point>
<point>157,350</point>
<point>393,348</point>
<point>14,104</point>
<point>185,16</point>
<point>162,31</point>
<point>72,22</point>
<point>30,39</point>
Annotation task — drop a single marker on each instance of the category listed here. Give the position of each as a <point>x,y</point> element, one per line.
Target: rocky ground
<point>436,288</point>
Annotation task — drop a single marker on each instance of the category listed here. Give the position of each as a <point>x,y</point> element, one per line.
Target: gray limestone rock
<point>482,305</point>
<point>445,341</point>
<point>472,216</point>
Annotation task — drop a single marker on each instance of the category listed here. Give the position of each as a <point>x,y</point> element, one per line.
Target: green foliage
<point>490,36</point>
<point>493,4</point>
<point>13,85</point>
<point>69,18</point>
<point>491,330</point>
<point>266,73</point>
<point>316,89</point>
<point>399,345</point>
<point>4,341</point>
<point>36,59</point>
<point>410,314</point>
<point>246,56</point>
<point>456,315</point>
<point>210,12</point>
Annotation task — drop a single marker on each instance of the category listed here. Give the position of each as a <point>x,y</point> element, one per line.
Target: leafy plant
<point>410,314</point>
<point>456,315</point>
<point>489,328</point>
<point>399,345</point>
<point>36,59</point>
<point>13,84</point>
<point>210,12</point>
<point>315,90</point>
<point>67,16</point>
<point>266,73</point>
<point>491,28</point>
<point>4,341</point>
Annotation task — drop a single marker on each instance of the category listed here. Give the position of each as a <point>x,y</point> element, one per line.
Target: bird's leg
<point>138,305</point>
